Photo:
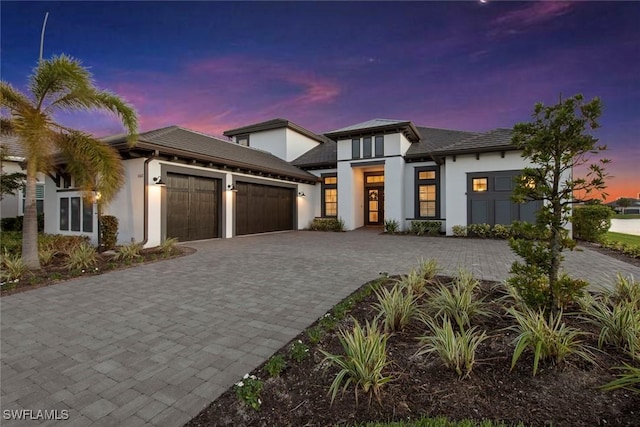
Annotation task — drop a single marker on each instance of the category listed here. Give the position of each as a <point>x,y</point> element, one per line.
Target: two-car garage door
<point>194,207</point>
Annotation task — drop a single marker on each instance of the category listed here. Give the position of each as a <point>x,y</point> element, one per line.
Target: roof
<point>633,202</point>
<point>178,141</point>
<point>497,139</point>
<point>377,125</point>
<point>434,138</point>
<point>13,146</point>
<point>322,155</point>
<point>274,124</point>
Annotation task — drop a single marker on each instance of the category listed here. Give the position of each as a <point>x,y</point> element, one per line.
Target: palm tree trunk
<point>30,223</point>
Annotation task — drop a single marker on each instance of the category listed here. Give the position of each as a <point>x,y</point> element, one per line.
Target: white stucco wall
<point>52,212</point>
<point>316,190</point>
<point>394,190</point>
<point>274,141</point>
<point>11,203</point>
<point>456,180</point>
<point>297,144</point>
<point>128,204</point>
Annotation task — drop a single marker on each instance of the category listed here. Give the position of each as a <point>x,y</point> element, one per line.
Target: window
<point>76,214</point>
<point>355,148</point>
<point>379,146</point>
<point>330,196</point>
<point>479,184</point>
<point>373,179</point>
<point>39,199</point>
<point>243,140</point>
<point>427,192</point>
<point>366,147</point>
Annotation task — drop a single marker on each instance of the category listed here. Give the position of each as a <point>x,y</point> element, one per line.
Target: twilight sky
<point>467,65</point>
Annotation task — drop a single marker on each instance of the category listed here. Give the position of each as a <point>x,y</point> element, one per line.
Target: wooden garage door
<point>263,208</point>
<point>193,207</point>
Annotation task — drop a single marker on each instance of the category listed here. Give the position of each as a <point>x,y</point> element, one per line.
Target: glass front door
<point>374,212</point>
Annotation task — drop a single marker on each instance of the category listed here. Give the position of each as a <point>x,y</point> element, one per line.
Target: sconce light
<point>97,196</point>
<point>301,194</point>
<point>232,187</point>
<point>158,181</point>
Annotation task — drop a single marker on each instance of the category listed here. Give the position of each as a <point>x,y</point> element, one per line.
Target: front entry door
<point>374,205</point>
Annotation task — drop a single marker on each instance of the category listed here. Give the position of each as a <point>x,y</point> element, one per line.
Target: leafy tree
<point>9,182</point>
<point>624,203</point>
<point>62,84</point>
<point>556,141</point>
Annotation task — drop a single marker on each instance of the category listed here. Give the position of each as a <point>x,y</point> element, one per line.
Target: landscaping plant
<point>108,231</point>
<point>591,222</point>
<point>248,391</point>
<point>627,289</point>
<point>428,269</point>
<point>13,267</point>
<point>546,337</point>
<point>299,351</point>
<point>391,226</point>
<point>128,253</point>
<point>315,334</point>
<point>81,257</point>
<point>363,363</point>
<point>459,230</point>
<point>275,365</point>
<point>46,255</point>
<point>619,323</point>
<point>397,307</point>
<point>168,246</point>
<point>629,379</point>
<point>414,280</point>
<point>456,348</point>
<point>556,142</point>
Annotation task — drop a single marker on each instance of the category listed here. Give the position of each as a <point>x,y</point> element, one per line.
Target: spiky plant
<point>397,307</point>
<point>619,323</point>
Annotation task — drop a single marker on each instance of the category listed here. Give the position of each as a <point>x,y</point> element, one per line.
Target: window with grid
<point>330,196</point>
<point>427,192</point>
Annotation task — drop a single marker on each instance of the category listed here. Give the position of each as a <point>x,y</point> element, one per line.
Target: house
<point>12,205</point>
<point>277,175</point>
<point>633,206</point>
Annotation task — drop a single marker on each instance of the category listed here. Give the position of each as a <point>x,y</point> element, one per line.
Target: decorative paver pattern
<point>153,345</point>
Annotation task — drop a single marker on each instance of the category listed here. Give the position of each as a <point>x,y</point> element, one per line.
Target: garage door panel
<point>193,207</point>
<point>263,208</point>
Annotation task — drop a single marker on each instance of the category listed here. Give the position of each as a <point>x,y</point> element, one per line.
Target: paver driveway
<point>156,343</point>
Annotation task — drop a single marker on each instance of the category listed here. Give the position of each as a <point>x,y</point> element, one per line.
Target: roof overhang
<point>271,125</point>
<point>408,129</point>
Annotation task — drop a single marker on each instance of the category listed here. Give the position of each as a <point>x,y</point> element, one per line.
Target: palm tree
<point>62,84</point>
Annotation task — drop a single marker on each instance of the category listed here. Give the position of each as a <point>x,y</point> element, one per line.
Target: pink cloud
<point>532,14</point>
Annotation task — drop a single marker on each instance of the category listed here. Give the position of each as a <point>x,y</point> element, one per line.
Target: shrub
<point>327,224</point>
<point>248,391</point>
<point>479,230</point>
<point>83,256</point>
<point>591,222</point>
<point>628,379</point>
<point>457,349</point>
<point>391,226</point>
<point>315,334</point>
<point>627,289</point>
<point>547,339</point>
<point>428,269</point>
<point>364,360</point>
<point>619,324</point>
<point>396,307</point>
<point>11,242</point>
<point>430,228</point>
<point>414,281</point>
<point>458,301</point>
<point>501,231</point>
<point>299,351</point>
<point>168,246</point>
<point>46,255</point>
<point>64,244</point>
<point>13,267</point>
<point>128,253</point>
<point>15,224</point>
<point>108,231</point>
<point>275,365</point>
<point>459,230</point>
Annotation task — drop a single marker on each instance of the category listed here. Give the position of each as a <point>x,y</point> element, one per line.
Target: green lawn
<point>626,216</point>
<point>629,239</point>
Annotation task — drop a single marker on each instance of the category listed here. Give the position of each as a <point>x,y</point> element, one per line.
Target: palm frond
<point>6,126</point>
<point>95,165</point>
<point>56,77</point>
<point>11,98</point>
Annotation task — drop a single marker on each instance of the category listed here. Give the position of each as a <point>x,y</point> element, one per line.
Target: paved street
<point>153,345</point>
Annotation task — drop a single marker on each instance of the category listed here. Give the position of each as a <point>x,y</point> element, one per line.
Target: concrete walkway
<point>153,345</point>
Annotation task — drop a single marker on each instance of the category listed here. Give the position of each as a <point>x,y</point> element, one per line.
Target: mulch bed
<point>55,272</point>
<point>564,395</point>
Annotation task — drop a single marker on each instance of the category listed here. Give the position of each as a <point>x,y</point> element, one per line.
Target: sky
<point>465,65</point>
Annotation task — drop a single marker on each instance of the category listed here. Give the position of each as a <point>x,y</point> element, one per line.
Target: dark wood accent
<point>193,207</point>
<point>417,182</point>
<point>263,208</point>
<point>374,205</point>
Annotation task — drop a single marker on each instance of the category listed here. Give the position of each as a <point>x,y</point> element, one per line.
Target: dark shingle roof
<point>497,139</point>
<point>13,146</point>
<point>274,124</point>
<point>174,140</point>
<point>434,138</point>
<point>322,155</point>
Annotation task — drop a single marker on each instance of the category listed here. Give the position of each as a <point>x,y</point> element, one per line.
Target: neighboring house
<point>12,205</point>
<point>277,175</point>
<point>633,208</point>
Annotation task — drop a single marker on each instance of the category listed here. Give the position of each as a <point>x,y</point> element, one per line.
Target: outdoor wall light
<point>158,181</point>
<point>232,187</point>
<point>301,194</point>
